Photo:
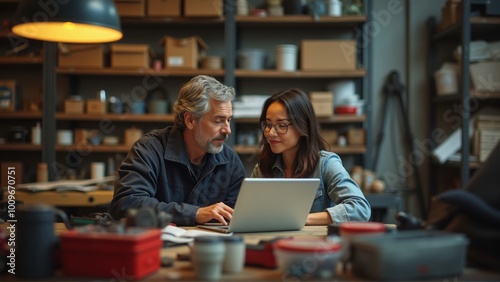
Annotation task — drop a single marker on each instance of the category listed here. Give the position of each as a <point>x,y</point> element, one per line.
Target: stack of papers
<point>174,234</point>
<point>479,50</point>
<point>66,185</point>
<point>495,50</point>
<point>249,106</point>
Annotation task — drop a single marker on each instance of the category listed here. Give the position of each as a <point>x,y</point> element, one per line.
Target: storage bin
<point>446,82</point>
<point>251,59</point>
<point>286,57</point>
<point>409,255</point>
<point>164,8</point>
<point>183,53</point>
<point>131,8</point>
<point>323,55</point>
<point>81,55</point>
<point>203,8</point>
<point>135,253</point>
<point>130,55</point>
<point>307,259</point>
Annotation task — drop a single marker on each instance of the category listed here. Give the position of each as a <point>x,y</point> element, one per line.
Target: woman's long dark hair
<point>301,113</point>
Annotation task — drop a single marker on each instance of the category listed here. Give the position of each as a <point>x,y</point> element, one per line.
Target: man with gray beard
<point>185,169</point>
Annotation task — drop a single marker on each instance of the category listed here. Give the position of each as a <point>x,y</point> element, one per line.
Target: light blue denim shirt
<point>337,193</point>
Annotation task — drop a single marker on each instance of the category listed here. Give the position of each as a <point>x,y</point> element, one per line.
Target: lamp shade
<point>69,21</point>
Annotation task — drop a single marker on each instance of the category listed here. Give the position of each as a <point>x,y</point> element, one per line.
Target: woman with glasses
<point>292,147</point>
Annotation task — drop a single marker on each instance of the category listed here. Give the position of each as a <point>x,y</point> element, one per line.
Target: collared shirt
<point>156,173</point>
<point>337,193</point>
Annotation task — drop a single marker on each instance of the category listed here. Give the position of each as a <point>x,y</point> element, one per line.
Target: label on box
<point>175,61</point>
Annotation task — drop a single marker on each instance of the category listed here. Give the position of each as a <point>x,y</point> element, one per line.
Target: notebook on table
<point>270,204</point>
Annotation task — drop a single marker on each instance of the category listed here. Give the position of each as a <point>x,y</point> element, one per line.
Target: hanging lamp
<point>69,21</point>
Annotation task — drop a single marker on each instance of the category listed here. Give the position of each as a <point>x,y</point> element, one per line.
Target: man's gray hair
<point>194,97</point>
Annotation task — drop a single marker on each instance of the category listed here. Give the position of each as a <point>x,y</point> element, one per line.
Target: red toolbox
<point>125,256</point>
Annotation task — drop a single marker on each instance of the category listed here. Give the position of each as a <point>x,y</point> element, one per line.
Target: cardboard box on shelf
<point>485,76</point>
<point>81,55</point>
<point>330,136</point>
<point>131,8</point>
<point>183,53</point>
<point>130,55</point>
<point>81,136</point>
<point>95,106</point>
<point>356,136</point>
<point>131,135</point>
<point>325,55</point>
<point>203,8</point>
<point>163,8</point>
<point>322,102</point>
<point>74,106</point>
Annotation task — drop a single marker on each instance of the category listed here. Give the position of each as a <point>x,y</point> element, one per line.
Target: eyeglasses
<point>280,128</point>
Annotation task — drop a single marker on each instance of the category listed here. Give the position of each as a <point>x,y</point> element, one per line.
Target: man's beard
<point>203,141</point>
<point>212,149</point>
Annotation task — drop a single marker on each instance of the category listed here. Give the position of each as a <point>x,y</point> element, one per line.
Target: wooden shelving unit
<point>136,72</point>
<point>229,26</point>
<point>20,115</point>
<point>20,147</point>
<point>124,117</point>
<point>301,20</point>
<point>462,32</point>
<point>299,74</point>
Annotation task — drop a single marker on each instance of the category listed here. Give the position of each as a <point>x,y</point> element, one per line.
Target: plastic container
<point>36,134</point>
<point>307,259</point>
<point>286,57</point>
<point>351,230</point>
<point>89,253</point>
<point>207,257</point>
<point>348,229</point>
<point>158,106</point>
<point>42,172</point>
<point>334,8</point>
<point>211,62</point>
<point>446,81</point>
<point>64,137</point>
<point>251,59</point>
<point>351,110</point>
<point>35,257</point>
<point>409,255</point>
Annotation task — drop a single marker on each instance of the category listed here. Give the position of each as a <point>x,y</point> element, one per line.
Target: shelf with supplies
<point>470,95</point>
<point>473,94</point>
<point>20,115</point>
<point>137,72</point>
<point>328,54</point>
<point>480,26</point>
<point>21,60</point>
<point>240,73</point>
<point>20,147</point>
<point>119,148</point>
<point>224,35</point>
<point>350,20</point>
<point>120,117</point>
<point>345,150</point>
<point>339,118</point>
<point>126,21</point>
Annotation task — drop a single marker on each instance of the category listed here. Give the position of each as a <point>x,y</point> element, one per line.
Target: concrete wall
<point>400,43</point>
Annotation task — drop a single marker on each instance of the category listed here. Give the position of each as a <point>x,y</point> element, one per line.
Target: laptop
<point>270,204</point>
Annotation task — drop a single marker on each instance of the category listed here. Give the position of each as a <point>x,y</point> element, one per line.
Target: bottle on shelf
<point>42,174</point>
<point>36,134</point>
